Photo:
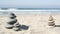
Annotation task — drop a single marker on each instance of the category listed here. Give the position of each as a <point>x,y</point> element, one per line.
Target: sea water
<point>5,11</point>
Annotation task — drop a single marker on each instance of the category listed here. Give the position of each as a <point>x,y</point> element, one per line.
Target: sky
<point>29,3</point>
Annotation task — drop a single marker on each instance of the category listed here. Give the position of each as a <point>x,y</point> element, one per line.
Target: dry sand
<point>37,24</point>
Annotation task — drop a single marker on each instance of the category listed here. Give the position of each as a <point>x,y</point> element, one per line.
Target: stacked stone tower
<point>12,22</point>
<point>51,21</point>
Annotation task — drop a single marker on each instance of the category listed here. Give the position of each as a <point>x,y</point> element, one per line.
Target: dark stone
<point>12,22</point>
<point>17,27</point>
<point>12,15</point>
<point>9,27</point>
<point>24,27</point>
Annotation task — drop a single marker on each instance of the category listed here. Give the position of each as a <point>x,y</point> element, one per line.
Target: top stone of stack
<point>51,18</point>
<point>51,21</point>
<point>12,15</point>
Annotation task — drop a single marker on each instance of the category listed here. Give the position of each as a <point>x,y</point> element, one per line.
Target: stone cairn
<point>51,21</point>
<point>13,24</point>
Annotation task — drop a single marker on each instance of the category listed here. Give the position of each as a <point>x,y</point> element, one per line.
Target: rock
<point>51,24</point>
<point>9,26</point>
<point>12,15</point>
<point>51,21</point>
<point>24,27</point>
<point>12,21</point>
<point>17,27</point>
<point>50,18</point>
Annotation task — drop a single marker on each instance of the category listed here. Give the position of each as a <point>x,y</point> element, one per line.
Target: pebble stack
<point>51,21</point>
<point>12,22</point>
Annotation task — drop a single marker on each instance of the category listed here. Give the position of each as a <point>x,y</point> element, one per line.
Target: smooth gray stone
<point>17,27</point>
<point>12,21</point>
<point>12,15</point>
<point>9,26</point>
<point>24,27</point>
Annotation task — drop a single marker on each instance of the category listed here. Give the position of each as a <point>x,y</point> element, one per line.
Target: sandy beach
<point>38,24</point>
